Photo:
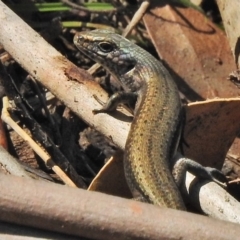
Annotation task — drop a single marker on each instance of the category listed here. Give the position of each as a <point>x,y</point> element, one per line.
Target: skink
<point>156,127</point>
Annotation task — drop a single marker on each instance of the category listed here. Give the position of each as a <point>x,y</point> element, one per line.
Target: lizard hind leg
<point>182,165</point>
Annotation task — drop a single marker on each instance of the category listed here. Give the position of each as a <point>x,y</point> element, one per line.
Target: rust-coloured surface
<point>77,74</point>
<point>194,48</point>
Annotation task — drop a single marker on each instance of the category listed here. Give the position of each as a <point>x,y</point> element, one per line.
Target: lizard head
<point>109,49</point>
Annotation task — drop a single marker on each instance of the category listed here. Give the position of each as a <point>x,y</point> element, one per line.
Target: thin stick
<point>38,150</point>
<point>136,18</point>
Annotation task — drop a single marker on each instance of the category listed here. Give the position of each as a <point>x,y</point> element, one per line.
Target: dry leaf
<point>111,178</point>
<point>211,126</point>
<point>231,18</point>
<point>194,48</point>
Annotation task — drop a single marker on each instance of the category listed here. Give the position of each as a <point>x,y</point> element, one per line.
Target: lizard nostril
<point>78,38</point>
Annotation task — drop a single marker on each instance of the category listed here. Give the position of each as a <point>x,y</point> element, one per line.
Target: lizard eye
<point>106,47</point>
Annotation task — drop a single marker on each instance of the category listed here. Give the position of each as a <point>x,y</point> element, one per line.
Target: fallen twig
<point>89,214</point>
